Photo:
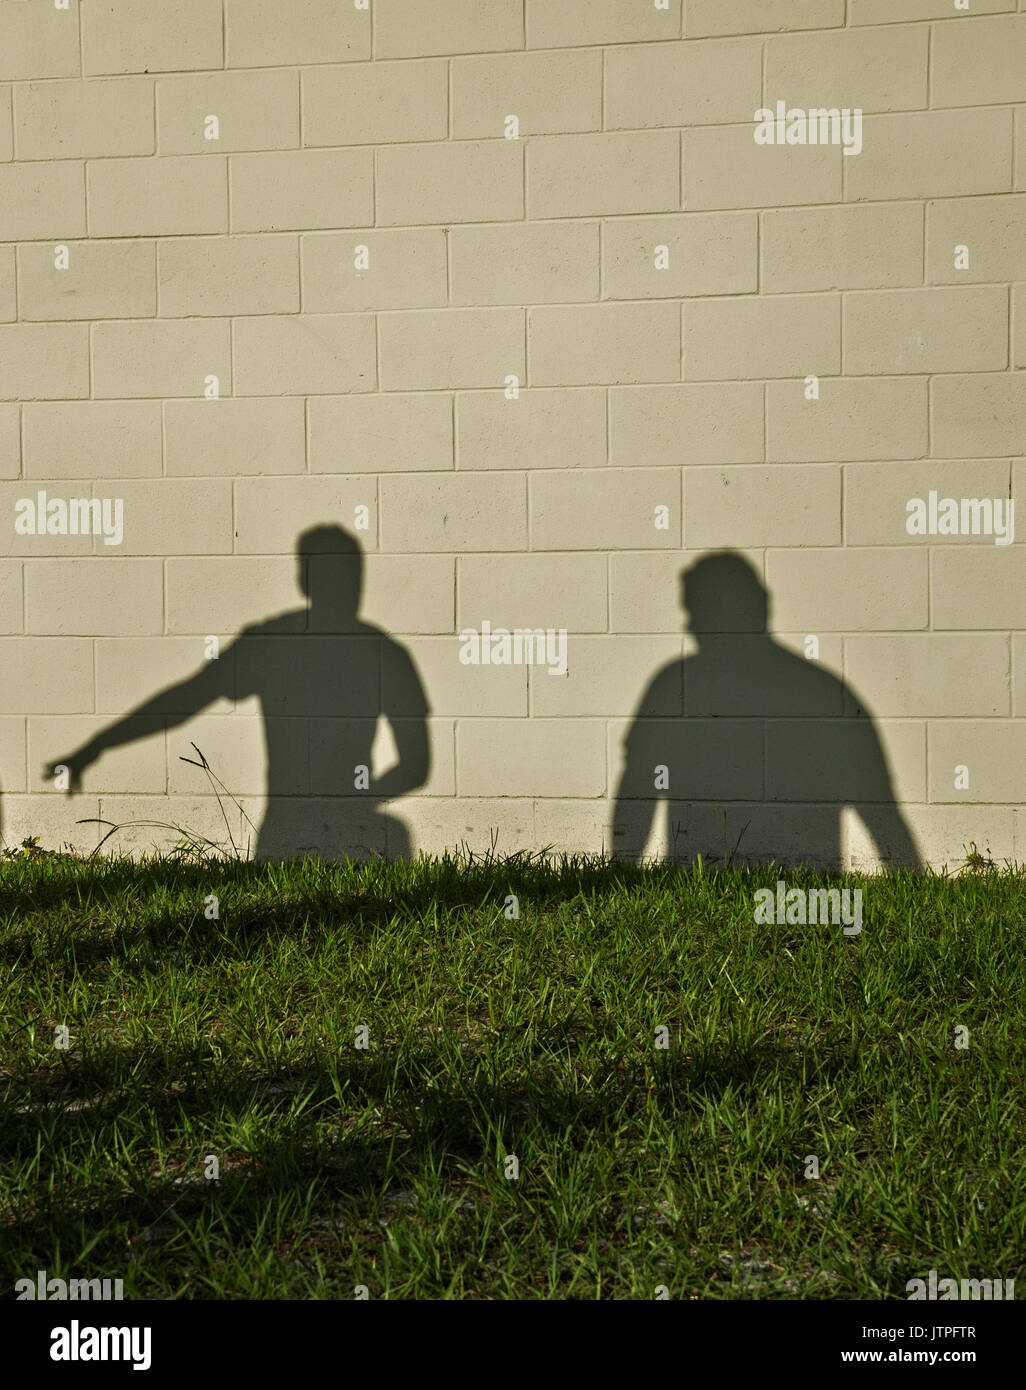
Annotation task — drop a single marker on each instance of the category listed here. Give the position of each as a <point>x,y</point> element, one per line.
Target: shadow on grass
<point>348,1133</point>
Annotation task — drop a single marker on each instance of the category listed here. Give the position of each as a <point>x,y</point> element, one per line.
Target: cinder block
<point>44,361</point>
<point>598,175</point>
<point>725,168</point>
<point>84,120</point>
<point>599,343</point>
<point>42,201</point>
<point>993,231</point>
<point>862,419</point>
<point>93,439</point>
<point>991,749</point>
<point>683,84</point>
<point>949,330</point>
<point>403,270</point>
<point>645,593</point>
<point>222,276</point>
<point>171,516</point>
<point>548,93</point>
<point>940,834</point>
<point>12,755</point>
<point>413,594</point>
<point>978,416</point>
<point>844,590</point>
<point>225,438</point>
<point>705,759</point>
<point>705,17</point>
<point>337,746</point>
<point>10,441</point>
<point>254,110</point>
<point>778,505</point>
<point>375,103</point>
<point>461,26</point>
<point>706,256</point>
<point>133,36</point>
<point>526,263</point>
<point>607,676</point>
<point>883,12</point>
<point>762,336</point>
<point>271,512</point>
<point>453,512</point>
<point>11,604</point>
<point>104,280</point>
<point>649,831</point>
<point>304,189</point>
<point>605,509</point>
<point>381,434</point>
<point>8,293</point>
<point>981,588</point>
<point>553,24</point>
<point>320,827</point>
<point>160,357</point>
<point>531,757</point>
<point>94,597</point>
<point>139,766</point>
<point>859,247</point>
<point>147,824</point>
<point>6,124</point>
<point>980,64</point>
<point>935,154</point>
<point>930,674</point>
<point>170,196</point>
<point>453,689</point>
<point>532,591</point>
<point>784,833</point>
<point>876,497</point>
<point>1018,673</point>
<point>464,181</point>
<point>38,41</point>
<point>55,818</point>
<point>307,676</point>
<point>742,674</point>
<point>45,675</point>
<point>315,354</point>
<point>1019,320</point>
<point>436,349</point>
<point>261,33</point>
<point>672,425</point>
<point>846,761</point>
<point>866,69</point>
<point>131,670</point>
<point>436,825</point>
<point>43,544</point>
<point>236,747</point>
<point>221,595</point>
<point>539,429</point>
<point>572,827</point>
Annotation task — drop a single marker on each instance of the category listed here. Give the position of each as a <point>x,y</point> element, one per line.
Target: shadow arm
<point>175,705</point>
<point>411,771</point>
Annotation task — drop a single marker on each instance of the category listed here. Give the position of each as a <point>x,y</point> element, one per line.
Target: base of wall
<point>823,836</point>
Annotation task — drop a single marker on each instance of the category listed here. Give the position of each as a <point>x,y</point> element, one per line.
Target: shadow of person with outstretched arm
<point>759,726</point>
<point>317,672</point>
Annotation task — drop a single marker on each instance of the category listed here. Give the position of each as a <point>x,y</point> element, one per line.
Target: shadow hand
<point>76,764</point>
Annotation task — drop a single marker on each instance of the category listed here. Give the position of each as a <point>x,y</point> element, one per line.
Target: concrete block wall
<point>378,323</point>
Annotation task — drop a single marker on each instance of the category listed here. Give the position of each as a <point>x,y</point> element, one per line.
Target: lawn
<point>492,1037</point>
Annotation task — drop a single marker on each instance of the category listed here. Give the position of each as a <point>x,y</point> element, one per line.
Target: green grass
<point>492,1036</point>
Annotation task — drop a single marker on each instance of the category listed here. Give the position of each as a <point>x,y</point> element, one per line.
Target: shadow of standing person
<point>760,726</point>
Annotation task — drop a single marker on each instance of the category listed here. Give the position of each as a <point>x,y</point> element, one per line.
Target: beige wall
<point>662,415</point>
